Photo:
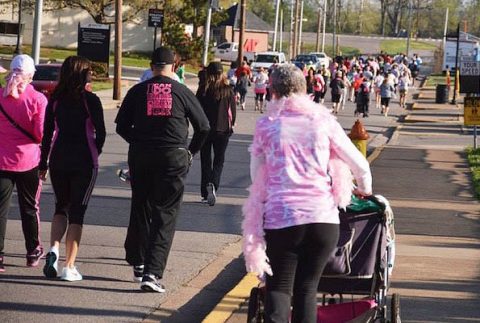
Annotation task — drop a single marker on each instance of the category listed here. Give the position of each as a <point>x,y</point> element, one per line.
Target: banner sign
<point>471,111</point>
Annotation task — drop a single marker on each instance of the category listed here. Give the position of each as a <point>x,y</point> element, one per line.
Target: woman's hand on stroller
<point>361,195</point>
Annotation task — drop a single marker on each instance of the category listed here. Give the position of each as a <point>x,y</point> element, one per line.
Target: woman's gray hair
<point>287,79</point>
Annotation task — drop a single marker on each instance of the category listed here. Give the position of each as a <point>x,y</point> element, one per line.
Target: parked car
<point>46,78</point>
<point>229,52</point>
<point>324,59</point>
<point>267,59</point>
<point>307,60</point>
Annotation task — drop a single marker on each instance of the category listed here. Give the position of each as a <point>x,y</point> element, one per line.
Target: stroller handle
<point>373,198</point>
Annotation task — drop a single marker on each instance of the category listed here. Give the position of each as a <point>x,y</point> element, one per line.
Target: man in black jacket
<point>154,119</point>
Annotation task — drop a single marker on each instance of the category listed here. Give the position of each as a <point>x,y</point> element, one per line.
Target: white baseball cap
<point>23,63</point>
<point>2,70</point>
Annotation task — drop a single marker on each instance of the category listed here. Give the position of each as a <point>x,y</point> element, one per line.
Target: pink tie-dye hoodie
<point>301,165</point>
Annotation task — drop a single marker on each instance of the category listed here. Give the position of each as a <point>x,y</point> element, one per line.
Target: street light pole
<point>277,10</point>
<point>18,50</point>
<point>206,41</point>
<point>37,31</point>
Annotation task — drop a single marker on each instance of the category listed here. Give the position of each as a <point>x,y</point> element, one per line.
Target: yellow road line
<point>232,300</point>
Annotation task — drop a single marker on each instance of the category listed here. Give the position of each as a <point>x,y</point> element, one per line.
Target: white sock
<point>55,251</point>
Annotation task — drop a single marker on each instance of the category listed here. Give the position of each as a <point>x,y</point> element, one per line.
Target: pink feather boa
<point>254,245</point>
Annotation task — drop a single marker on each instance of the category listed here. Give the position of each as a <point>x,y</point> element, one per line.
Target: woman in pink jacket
<point>301,166</point>
<point>21,125</point>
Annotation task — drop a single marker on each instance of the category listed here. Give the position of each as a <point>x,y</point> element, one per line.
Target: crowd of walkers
<point>154,119</point>
<point>377,78</point>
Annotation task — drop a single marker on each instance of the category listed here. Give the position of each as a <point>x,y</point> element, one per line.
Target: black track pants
<point>157,179</point>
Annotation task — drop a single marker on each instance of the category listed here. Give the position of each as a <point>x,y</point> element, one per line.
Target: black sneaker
<point>211,197</point>
<point>2,266</point>
<point>34,258</point>
<point>138,273</point>
<point>151,284</point>
<point>50,270</point>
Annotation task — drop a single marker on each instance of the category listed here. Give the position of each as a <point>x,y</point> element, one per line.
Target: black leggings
<point>298,256</point>
<point>29,187</point>
<point>73,189</point>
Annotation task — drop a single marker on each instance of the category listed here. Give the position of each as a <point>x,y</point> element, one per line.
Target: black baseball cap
<point>215,68</point>
<point>163,56</point>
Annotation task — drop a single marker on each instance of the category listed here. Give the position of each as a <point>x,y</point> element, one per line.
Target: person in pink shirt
<point>301,167</point>
<point>22,114</point>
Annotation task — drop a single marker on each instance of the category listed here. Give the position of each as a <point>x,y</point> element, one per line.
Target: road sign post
<point>471,115</point>
<point>155,19</point>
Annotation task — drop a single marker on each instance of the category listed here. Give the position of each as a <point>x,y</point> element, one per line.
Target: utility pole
<point>18,49</point>
<point>300,27</point>
<point>243,11</point>
<point>37,31</point>
<point>295,29</point>
<point>281,31</point>
<point>117,77</point>
<point>206,35</point>
<point>409,26</point>
<point>319,26</point>
<point>334,38</point>
<point>360,17</point>
<point>292,22</point>
<point>324,23</point>
<point>455,87</point>
<point>277,10</point>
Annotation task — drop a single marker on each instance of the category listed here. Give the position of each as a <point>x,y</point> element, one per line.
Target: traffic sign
<point>469,75</point>
<point>471,68</point>
<point>471,111</point>
<point>155,18</point>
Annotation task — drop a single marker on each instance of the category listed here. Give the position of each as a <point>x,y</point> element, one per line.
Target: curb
<point>240,294</point>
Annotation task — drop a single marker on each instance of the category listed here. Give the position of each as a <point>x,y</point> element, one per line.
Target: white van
<point>267,59</point>
<point>229,52</point>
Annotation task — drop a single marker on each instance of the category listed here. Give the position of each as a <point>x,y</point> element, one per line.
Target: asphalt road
<point>203,233</point>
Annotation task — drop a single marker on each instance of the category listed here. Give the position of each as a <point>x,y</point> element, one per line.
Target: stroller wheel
<point>255,306</point>
<point>395,309</point>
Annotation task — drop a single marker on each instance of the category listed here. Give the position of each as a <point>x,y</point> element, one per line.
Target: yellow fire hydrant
<point>359,136</point>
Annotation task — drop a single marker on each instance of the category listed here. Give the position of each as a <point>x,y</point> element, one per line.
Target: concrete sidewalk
<point>424,174</point>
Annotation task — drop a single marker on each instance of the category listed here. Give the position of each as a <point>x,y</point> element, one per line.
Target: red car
<point>45,78</point>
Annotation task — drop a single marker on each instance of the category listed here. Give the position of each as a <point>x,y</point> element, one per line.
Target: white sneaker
<point>71,274</point>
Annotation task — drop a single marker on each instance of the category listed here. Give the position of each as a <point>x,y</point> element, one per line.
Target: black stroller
<point>360,268</point>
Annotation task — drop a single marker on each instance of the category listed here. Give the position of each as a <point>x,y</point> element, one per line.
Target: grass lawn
<point>128,59</point>
<point>395,46</point>
<point>98,85</point>
<point>474,161</point>
<point>435,79</point>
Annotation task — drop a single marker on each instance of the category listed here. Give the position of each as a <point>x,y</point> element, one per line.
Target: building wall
<point>59,29</point>
<point>261,38</point>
